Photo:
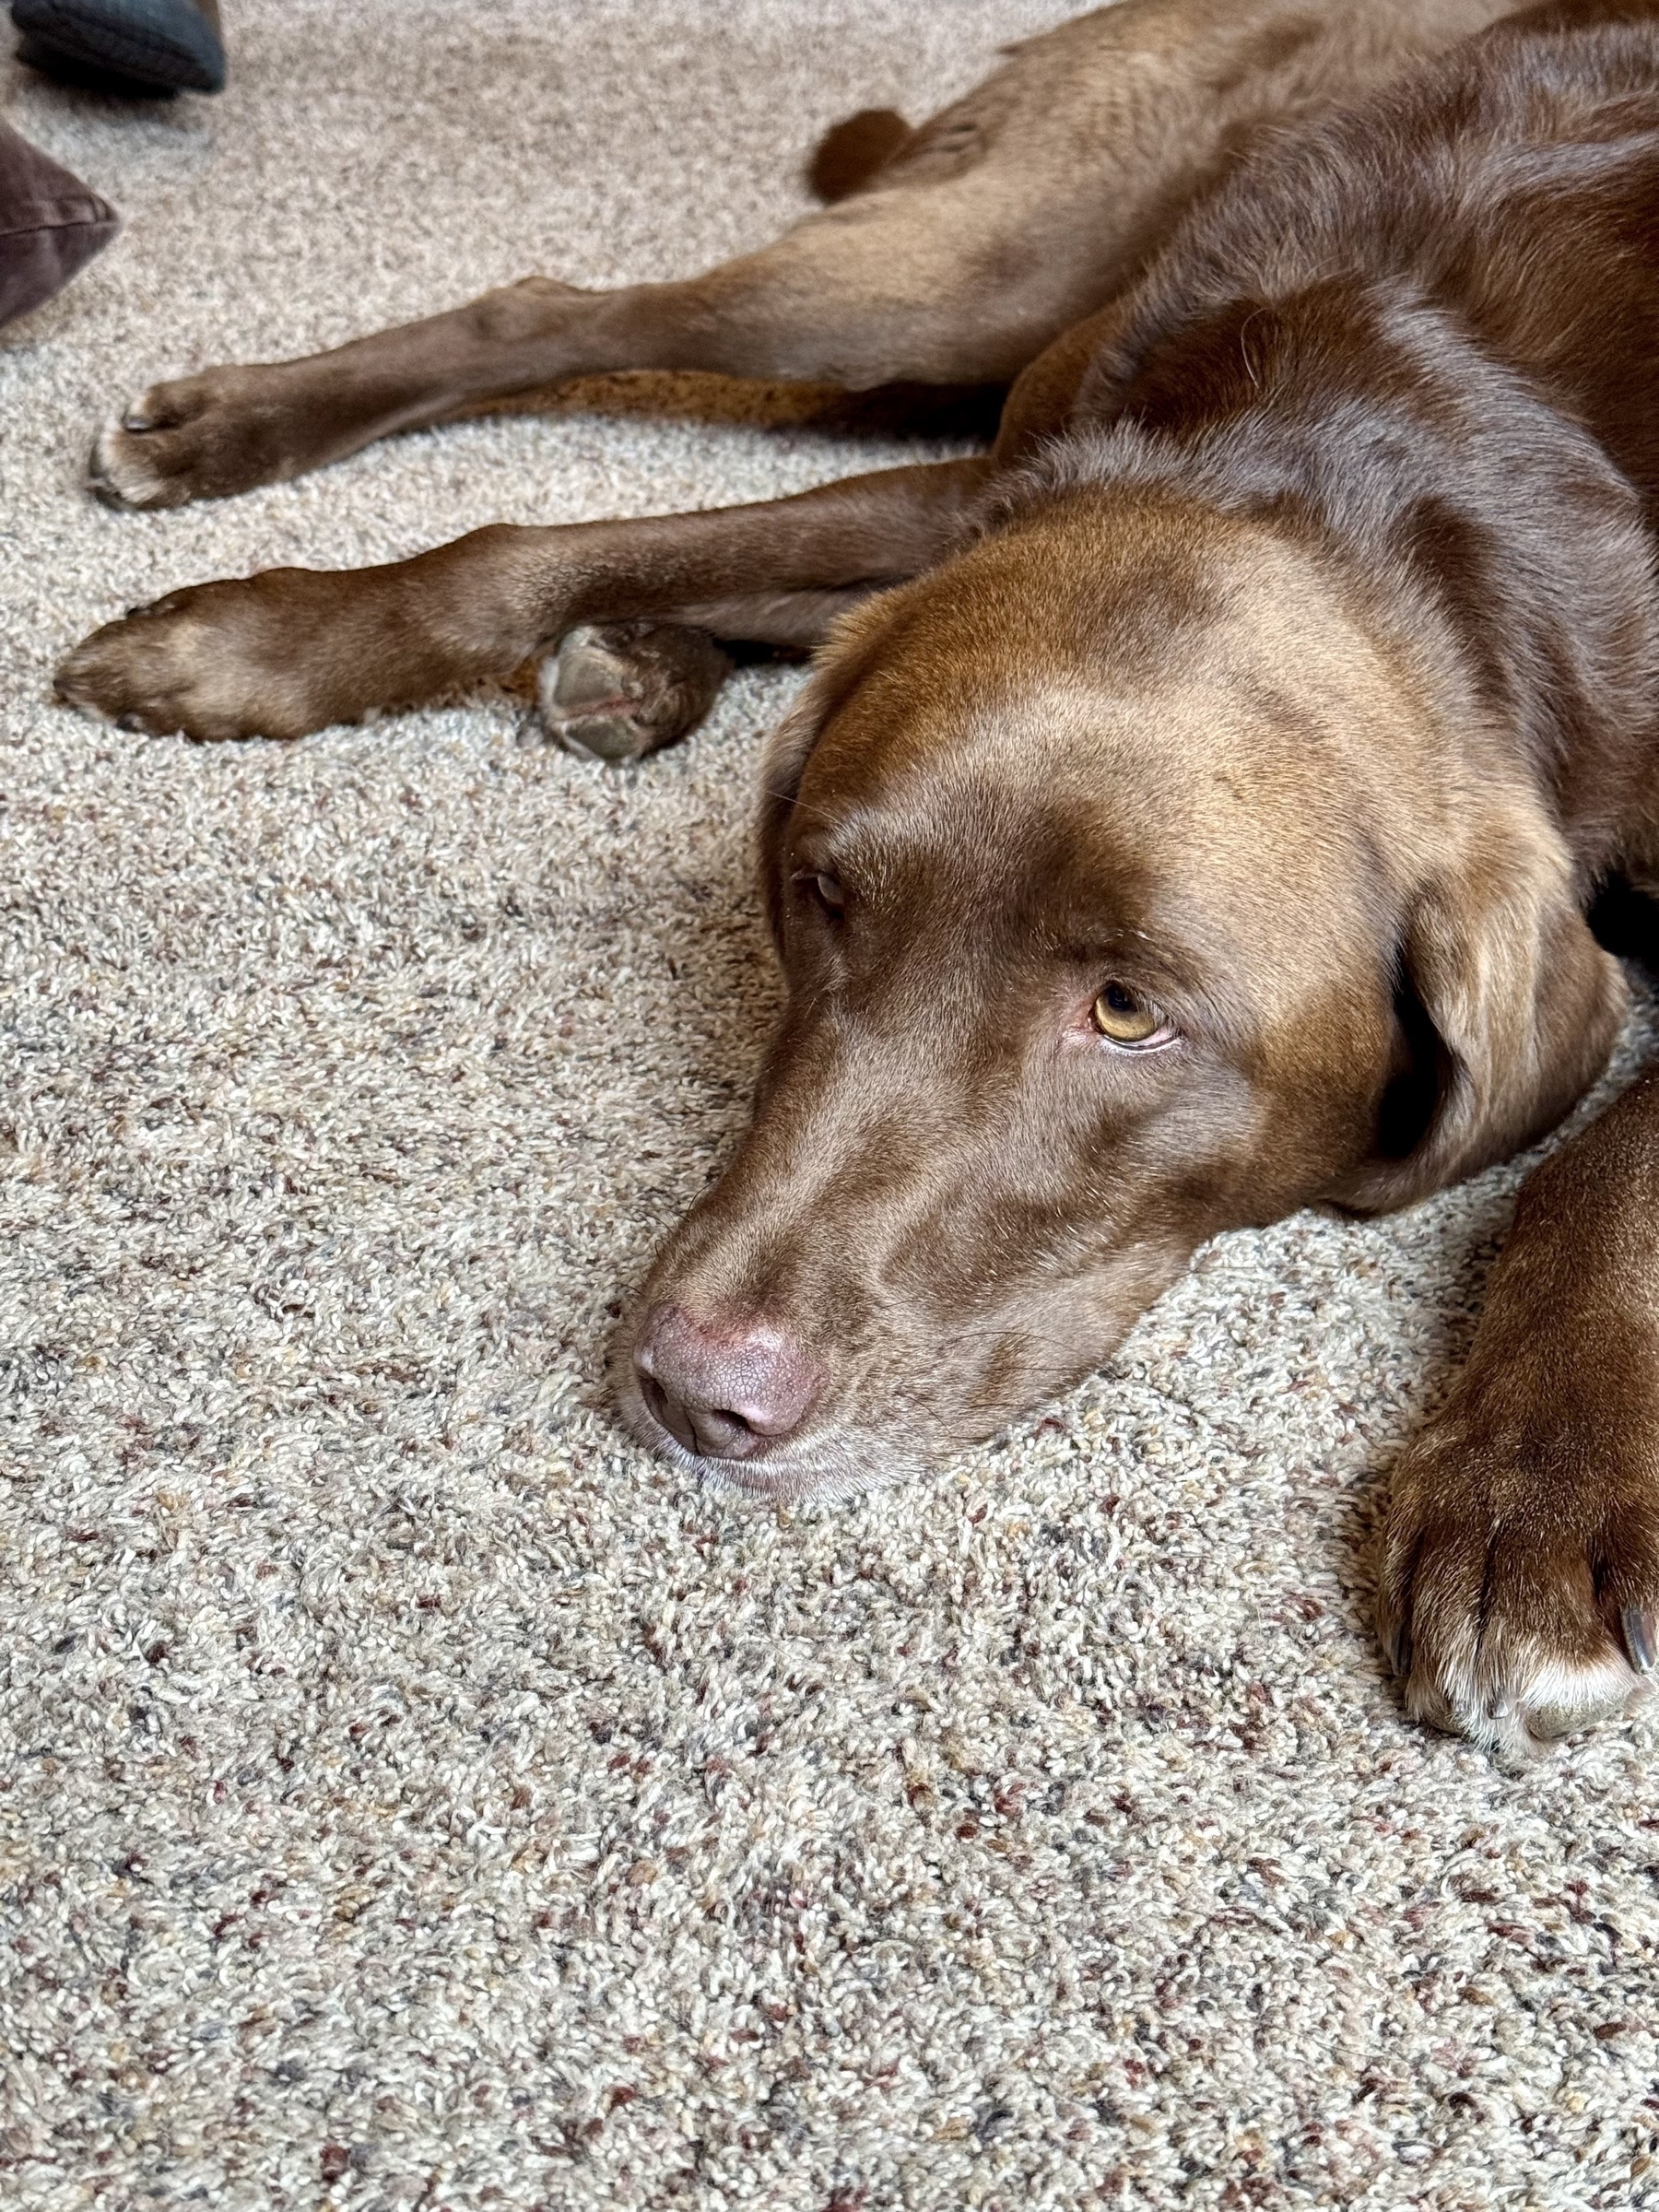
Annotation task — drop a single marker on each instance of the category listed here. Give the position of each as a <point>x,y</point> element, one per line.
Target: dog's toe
<point>121,471</point>
<point>587,704</point>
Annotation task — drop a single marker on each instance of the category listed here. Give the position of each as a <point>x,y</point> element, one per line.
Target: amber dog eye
<point>1126,1018</point>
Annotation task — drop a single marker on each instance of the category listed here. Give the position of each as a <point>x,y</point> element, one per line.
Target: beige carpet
<point>413,1795</point>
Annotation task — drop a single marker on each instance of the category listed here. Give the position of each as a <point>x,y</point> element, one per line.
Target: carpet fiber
<point>414,1796</point>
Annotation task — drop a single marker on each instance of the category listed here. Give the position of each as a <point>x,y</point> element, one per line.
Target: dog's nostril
<point>712,1431</point>
<point>721,1434</point>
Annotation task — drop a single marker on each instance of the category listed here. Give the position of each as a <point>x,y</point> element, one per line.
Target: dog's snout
<point>724,1388</point>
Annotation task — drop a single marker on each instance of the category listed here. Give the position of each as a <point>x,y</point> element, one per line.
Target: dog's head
<point>1129,887</point>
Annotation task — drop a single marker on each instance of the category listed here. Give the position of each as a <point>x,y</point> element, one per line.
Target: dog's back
<point>1515,184</point>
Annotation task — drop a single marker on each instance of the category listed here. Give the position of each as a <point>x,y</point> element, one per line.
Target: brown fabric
<point>50,226</point>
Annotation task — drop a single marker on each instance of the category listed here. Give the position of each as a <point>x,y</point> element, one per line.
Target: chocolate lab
<point>1197,804</point>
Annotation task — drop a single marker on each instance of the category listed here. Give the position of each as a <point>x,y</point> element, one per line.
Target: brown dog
<point>1206,826</point>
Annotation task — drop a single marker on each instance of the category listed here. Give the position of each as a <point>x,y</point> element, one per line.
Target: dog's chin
<point>838,1463</point>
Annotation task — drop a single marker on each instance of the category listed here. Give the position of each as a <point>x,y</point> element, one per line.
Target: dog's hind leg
<point>954,260</point>
<point>871,293</point>
<point>290,650</point>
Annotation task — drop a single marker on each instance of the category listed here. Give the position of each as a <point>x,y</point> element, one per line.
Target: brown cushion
<point>51,225</point>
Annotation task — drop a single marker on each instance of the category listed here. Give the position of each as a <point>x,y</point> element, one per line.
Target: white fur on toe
<point>121,473</point>
<point>1541,1696</point>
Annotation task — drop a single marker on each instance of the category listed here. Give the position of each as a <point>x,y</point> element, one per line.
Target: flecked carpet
<point>412,1795</point>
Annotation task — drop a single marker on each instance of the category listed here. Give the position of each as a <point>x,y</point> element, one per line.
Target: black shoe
<point>133,46</point>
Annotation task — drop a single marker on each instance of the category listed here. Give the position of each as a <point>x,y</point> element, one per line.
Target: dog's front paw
<point>1520,1590</point>
<point>245,659</point>
<point>206,436</point>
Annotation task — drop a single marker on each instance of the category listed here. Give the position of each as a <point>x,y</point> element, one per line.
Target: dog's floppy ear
<point>840,665</point>
<point>1507,1009</point>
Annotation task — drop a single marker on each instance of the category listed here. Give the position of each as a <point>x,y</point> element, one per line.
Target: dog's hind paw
<point>618,690</point>
<point>206,436</point>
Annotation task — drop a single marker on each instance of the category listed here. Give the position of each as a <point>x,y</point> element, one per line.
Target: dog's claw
<point>1397,1646</point>
<point>1641,1628</point>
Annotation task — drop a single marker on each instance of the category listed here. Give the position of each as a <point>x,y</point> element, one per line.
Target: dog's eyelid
<point>1159,1041</point>
<point>1169,976</point>
<point>824,887</point>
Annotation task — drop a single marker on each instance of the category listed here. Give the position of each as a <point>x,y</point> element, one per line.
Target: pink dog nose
<point>723,1388</point>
